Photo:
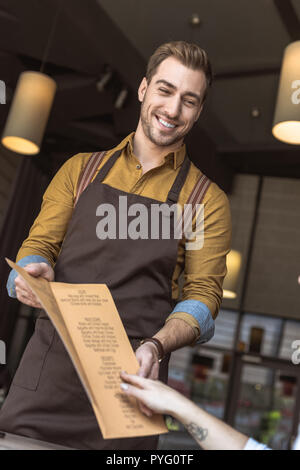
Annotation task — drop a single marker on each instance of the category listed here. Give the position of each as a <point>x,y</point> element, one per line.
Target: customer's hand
<point>23,291</point>
<point>153,394</point>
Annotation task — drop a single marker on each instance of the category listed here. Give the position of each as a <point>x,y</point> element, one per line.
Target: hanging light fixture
<point>31,106</point>
<point>286,125</point>
<point>233,261</point>
<point>29,113</point>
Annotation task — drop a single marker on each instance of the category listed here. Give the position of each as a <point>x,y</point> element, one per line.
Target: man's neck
<point>148,153</point>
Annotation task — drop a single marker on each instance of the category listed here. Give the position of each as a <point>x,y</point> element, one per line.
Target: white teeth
<point>167,124</point>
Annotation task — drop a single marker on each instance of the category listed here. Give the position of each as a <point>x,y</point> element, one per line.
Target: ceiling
<point>245,42</point>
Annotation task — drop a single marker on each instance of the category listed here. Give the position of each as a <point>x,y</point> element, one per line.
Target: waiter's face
<point>171,102</point>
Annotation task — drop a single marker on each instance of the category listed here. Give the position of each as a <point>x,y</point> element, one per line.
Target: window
<point>291,333</point>
<point>261,334</point>
<point>225,326</point>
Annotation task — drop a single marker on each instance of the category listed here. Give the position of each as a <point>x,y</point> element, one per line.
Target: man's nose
<point>173,108</point>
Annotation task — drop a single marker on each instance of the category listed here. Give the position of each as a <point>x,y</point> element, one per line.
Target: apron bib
<point>46,400</point>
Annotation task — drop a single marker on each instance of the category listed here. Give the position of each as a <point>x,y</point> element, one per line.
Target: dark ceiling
<point>245,41</point>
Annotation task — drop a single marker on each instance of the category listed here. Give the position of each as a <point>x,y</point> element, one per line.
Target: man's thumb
<point>38,269</point>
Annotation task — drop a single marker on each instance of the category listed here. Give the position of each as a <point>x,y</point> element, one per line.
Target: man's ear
<point>142,89</point>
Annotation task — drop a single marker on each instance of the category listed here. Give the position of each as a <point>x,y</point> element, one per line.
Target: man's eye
<point>190,103</point>
<point>164,90</point>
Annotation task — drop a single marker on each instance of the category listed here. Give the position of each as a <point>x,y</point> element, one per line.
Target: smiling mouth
<point>165,124</point>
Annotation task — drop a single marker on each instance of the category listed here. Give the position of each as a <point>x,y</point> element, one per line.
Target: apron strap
<point>195,197</point>
<point>174,192</point>
<point>88,173</point>
<point>108,165</point>
<point>90,169</point>
<point>199,190</point>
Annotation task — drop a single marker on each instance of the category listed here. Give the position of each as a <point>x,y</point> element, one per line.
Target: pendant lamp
<point>31,106</point>
<point>29,112</point>
<point>286,125</point>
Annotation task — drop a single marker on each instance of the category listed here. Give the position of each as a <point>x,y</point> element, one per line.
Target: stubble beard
<point>153,134</point>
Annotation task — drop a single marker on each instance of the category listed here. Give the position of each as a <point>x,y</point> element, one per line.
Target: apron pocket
<point>30,368</point>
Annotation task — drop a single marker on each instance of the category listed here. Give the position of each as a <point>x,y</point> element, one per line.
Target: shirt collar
<point>177,156</point>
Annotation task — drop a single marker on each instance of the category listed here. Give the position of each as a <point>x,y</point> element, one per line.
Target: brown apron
<point>46,400</point>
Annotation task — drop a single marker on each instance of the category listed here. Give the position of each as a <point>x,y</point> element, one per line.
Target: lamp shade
<point>233,261</point>
<point>29,112</point>
<point>286,125</point>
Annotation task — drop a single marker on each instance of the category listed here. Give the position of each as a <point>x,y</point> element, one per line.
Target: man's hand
<point>24,292</point>
<point>147,356</point>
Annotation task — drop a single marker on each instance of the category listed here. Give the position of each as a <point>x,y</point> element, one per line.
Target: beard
<point>155,135</point>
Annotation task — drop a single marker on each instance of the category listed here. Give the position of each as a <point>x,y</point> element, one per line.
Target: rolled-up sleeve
<point>10,286</point>
<point>205,268</point>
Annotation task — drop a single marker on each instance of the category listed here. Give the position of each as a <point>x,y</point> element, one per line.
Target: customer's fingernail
<point>124,386</point>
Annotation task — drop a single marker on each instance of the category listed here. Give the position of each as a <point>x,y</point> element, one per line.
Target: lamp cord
<point>47,47</point>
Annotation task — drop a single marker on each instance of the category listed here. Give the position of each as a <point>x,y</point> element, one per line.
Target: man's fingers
<point>28,302</point>
<point>154,371</point>
<point>143,370</point>
<point>40,269</point>
<point>35,269</point>
<point>22,285</point>
<point>146,368</point>
<point>47,272</point>
<point>19,281</point>
<point>23,293</point>
<point>146,355</point>
<point>28,296</point>
<point>27,299</point>
<point>26,293</point>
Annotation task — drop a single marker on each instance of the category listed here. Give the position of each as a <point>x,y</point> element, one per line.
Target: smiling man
<point>150,166</point>
<point>171,102</point>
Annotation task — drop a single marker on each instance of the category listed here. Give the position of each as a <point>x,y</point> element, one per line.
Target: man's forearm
<point>175,334</point>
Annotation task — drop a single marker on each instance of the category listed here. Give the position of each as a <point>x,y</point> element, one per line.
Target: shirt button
<point>138,167</point>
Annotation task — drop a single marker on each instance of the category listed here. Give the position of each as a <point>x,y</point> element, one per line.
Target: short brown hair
<point>190,55</point>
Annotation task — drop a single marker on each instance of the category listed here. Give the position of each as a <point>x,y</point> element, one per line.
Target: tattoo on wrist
<point>198,433</point>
